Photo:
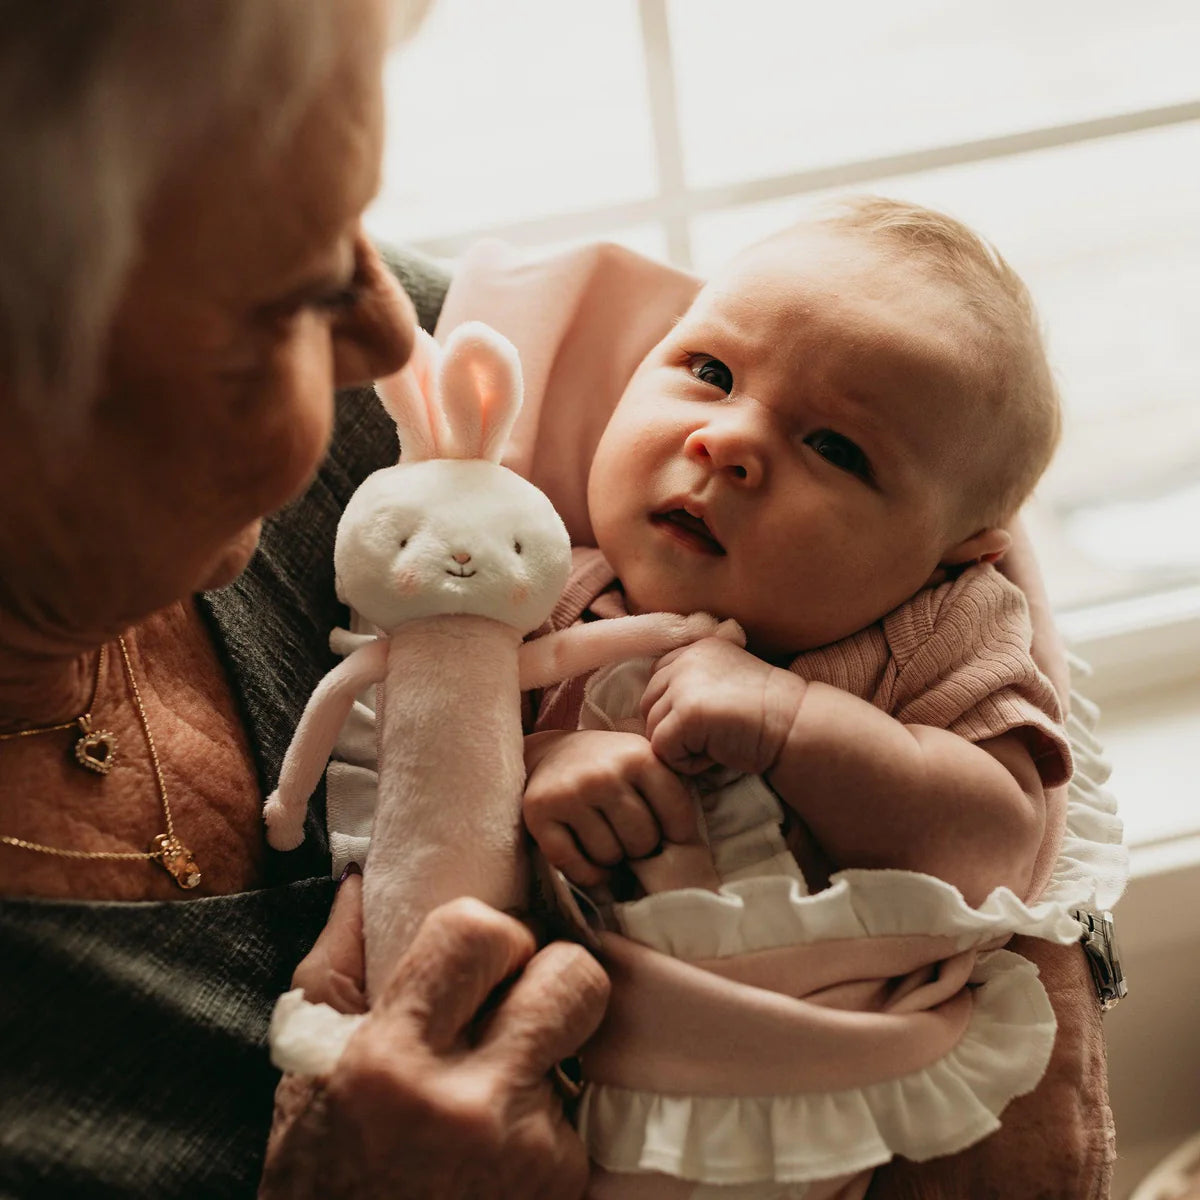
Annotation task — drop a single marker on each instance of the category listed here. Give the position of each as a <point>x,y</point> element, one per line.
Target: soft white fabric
<point>306,1038</point>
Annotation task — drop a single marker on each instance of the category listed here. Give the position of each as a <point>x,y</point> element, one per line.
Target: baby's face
<point>793,453</point>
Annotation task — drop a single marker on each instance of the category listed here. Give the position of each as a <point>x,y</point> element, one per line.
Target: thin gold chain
<point>169,851</point>
<point>141,712</point>
<point>83,721</point>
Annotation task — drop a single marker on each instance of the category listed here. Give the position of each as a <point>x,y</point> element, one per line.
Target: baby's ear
<point>986,545</point>
<point>481,390</point>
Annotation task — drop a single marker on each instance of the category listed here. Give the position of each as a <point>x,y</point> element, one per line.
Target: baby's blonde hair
<point>1023,398</point>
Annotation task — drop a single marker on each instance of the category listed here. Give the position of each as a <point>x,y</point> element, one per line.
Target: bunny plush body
<point>454,559</point>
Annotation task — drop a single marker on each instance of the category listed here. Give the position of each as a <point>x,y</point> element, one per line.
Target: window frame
<point>1132,644</point>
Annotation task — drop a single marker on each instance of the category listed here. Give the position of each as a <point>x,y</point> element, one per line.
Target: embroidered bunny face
<point>451,536</point>
<point>449,530</point>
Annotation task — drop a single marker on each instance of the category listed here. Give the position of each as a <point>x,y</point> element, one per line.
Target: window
<point>1067,133</point>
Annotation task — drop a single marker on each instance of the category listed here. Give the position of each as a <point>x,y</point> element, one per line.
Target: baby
<point>825,449</point>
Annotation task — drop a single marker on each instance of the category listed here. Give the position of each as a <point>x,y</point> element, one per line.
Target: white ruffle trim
<point>306,1038</point>
<point>772,911</point>
<point>938,1110</point>
<point>1093,863</point>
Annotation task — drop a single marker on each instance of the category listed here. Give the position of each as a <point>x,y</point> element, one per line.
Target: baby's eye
<point>713,371</point>
<point>840,451</point>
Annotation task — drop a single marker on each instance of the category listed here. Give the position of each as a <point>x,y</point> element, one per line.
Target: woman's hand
<point>444,1092</point>
<point>1054,1144</point>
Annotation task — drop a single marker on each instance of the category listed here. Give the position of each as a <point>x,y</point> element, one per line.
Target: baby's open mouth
<point>690,530</point>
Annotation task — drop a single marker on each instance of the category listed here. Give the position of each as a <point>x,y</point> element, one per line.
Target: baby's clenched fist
<point>715,704</point>
<point>595,798</point>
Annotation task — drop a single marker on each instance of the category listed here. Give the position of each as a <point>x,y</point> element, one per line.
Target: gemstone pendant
<point>96,750</point>
<point>177,860</point>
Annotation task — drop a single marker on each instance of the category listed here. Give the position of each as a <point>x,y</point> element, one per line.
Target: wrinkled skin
<point>461,1072</point>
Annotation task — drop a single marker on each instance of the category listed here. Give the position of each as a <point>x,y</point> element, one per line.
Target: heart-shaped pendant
<point>97,750</point>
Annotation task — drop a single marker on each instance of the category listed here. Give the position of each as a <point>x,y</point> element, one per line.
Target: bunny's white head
<point>449,530</point>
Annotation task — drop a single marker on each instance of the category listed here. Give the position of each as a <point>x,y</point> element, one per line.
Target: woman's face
<point>254,296</point>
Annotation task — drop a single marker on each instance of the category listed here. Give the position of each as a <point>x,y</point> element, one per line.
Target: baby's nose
<point>732,451</point>
<point>462,558</point>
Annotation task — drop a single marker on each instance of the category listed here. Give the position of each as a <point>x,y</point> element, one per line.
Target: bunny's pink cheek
<point>520,594</point>
<point>406,583</point>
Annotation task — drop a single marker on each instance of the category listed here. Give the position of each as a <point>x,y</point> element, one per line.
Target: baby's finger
<point>670,743</point>
<point>672,802</point>
<point>596,837</point>
<point>558,844</point>
<point>633,821</point>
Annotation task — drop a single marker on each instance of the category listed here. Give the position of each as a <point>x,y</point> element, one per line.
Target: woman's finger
<point>555,1006</point>
<point>333,971</point>
<point>461,953</point>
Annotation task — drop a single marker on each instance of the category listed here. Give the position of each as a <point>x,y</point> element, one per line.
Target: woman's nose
<point>375,337</point>
<point>731,449</point>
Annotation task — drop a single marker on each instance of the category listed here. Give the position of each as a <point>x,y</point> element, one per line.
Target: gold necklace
<point>168,851</point>
<point>96,749</point>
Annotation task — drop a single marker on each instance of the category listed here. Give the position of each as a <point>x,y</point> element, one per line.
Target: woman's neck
<point>43,688</point>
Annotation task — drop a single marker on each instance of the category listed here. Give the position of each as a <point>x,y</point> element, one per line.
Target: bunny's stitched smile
<point>463,574</point>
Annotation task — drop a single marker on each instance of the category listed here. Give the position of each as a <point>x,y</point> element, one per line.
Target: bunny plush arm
<point>323,717</point>
<point>582,648</point>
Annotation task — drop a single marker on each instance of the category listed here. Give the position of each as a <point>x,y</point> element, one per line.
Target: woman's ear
<point>987,545</point>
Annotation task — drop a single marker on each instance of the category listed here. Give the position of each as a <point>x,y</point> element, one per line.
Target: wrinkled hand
<point>596,798</point>
<point>714,704</point>
<point>443,1093</point>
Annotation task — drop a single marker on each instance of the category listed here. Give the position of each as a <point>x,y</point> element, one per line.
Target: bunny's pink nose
<point>462,558</point>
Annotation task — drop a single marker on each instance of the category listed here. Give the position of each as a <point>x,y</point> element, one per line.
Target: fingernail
<point>352,868</point>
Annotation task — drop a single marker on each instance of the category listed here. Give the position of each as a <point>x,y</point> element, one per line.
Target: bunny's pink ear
<point>409,398</point>
<point>481,390</point>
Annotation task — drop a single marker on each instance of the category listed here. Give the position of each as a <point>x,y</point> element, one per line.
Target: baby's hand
<point>595,798</point>
<point>714,704</point>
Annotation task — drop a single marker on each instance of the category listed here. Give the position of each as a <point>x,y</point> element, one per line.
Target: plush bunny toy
<point>455,559</point>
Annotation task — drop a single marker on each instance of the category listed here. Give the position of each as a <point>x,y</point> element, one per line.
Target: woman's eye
<point>840,451</point>
<point>712,371</point>
<point>341,301</point>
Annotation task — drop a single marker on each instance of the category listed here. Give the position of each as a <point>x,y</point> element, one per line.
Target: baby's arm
<point>873,792</point>
<point>595,798</point>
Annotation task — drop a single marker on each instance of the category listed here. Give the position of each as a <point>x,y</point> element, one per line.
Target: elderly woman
<point>183,284</point>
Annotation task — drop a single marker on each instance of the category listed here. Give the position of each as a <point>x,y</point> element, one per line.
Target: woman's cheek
<point>293,423</point>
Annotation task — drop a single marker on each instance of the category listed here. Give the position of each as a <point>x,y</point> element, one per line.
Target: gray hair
<point>96,99</point>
